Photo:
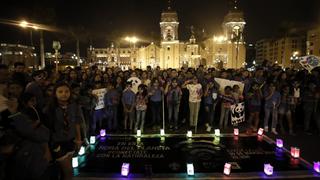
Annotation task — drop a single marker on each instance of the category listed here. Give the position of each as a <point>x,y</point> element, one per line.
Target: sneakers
<point>266,129</point>
<point>274,131</point>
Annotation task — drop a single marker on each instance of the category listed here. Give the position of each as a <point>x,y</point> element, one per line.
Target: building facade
<point>226,50</point>
<point>283,51</point>
<point>313,42</point>
<point>11,53</point>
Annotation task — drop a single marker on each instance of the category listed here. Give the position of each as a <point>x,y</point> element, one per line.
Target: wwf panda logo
<point>237,113</point>
<point>135,83</point>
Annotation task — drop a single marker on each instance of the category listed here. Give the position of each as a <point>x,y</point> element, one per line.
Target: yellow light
<point>35,27</point>
<point>134,39</point>
<point>219,39</point>
<point>24,24</point>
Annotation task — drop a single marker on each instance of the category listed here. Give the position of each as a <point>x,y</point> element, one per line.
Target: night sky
<point>99,22</point>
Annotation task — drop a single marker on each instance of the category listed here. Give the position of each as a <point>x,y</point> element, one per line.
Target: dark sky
<point>102,21</point>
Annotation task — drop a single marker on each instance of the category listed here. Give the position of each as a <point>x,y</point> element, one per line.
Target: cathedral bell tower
<point>169,53</point>
<point>233,27</point>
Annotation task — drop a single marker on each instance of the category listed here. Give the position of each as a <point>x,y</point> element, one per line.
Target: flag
<point>309,62</point>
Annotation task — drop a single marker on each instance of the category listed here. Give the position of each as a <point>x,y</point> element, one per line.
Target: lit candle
<point>217,132</point>
<point>102,132</point>
<point>125,169</point>
<point>227,169</point>
<point>260,132</point>
<point>81,151</point>
<point>189,134</point>
<point>190,169</point>
<point>75,162</point>
<point>295,152</point>
<point>316,166</point>
<point>236,131</point>
<point>268,169</point>
<point>279,143</point>
<point>138,133</point>
<point>162,132</point>
<point>92,139</point>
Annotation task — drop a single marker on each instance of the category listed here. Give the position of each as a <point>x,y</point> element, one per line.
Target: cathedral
<point>225,50</point>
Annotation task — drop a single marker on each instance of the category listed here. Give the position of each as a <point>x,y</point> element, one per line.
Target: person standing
<point>141,107</point>
<point>195,94</point>
<point>272,102</point>
<point>63,118</point>
<point>128,102</point>
<point>174,94</point>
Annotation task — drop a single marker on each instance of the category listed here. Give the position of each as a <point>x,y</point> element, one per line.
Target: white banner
<point>100,94</point>
<point>237,113</point>
<point>309,62</point>
<point>226,82</point>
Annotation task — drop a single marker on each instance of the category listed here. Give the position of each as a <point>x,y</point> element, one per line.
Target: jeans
<point>224,117</point>
<point>98,115</point>
<point>156,112</point>
<point>307,114</point>
<point>173,109</point>
<point>267,112</point>
<point>194,111</point>
<point>140,120</point>
<point>112,117</point>
<point>210,113</point>
<point>130,116</point>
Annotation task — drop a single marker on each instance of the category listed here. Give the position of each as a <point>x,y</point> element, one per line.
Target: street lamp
<point>25,24</point>
<point>132,40</point>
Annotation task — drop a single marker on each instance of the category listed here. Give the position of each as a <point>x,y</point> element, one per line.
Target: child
<point>237,95</point>
<point>272,102</point>
<point>141,106</point>
<point>254,97</point>
<point>174,94</point>
<point>128,102</point>
<point>111,102</point>
<point>227,101</point>
<point>287,104</point>
<point>63,120</point>
<point>155,93</point>
<point>210,101</point>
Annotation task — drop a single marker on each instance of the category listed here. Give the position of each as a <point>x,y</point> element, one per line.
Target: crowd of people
<point>47,115</point>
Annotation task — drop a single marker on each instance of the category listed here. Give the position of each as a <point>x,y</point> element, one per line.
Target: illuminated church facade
<point>226,50</point>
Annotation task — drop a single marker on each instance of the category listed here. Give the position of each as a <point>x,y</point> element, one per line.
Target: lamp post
<point>56,46</point>
<point>294,58</point>
<point>132,40</point>
<point>25,24</point>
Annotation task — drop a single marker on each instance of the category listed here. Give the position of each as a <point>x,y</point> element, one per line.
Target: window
<point>168,48</point>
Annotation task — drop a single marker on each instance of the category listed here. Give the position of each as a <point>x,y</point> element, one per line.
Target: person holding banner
<point>254,98</point>
<point>227,100</point>
<point>195,94</point>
